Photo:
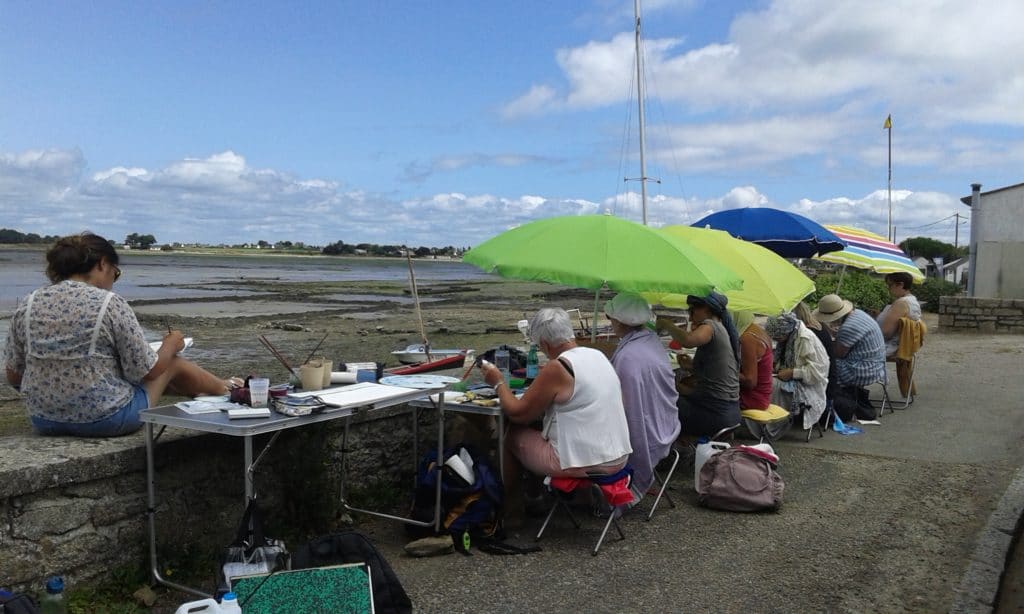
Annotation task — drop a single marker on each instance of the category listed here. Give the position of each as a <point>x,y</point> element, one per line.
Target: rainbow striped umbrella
<point>866,250</point>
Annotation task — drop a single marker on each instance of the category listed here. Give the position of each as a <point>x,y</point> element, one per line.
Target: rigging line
<point>620,188</point>
<point>931,224</point>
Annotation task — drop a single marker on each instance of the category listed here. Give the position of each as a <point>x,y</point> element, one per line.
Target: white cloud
<point>220,199</point>
<point>539,98</point>
<point>798,78</point>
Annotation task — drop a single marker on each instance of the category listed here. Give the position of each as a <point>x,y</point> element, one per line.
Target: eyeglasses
<point>117,272</point>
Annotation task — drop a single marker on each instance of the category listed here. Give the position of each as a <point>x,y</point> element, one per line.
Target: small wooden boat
<point>447,362</point>
<point>417,353</point>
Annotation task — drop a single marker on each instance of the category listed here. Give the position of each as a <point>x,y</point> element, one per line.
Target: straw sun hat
<point>831,307</point>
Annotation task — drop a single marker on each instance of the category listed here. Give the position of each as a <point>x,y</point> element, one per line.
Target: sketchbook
<point>356,395</point>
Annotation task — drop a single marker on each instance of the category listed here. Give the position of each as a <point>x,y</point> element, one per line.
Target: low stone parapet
<point>78,506</point>
<point>982,315</point>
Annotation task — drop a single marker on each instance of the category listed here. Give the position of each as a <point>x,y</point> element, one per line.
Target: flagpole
<point>888,126</point>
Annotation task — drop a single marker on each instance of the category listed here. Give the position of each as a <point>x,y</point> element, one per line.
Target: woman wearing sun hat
<point>713,401</point>
<point>649,393</point>
<point>859,351</point>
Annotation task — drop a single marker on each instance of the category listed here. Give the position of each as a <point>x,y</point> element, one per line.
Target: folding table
<point>350,401</point>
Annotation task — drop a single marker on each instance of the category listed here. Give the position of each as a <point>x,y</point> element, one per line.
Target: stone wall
<point>78,506</point>
<point>983,315</point>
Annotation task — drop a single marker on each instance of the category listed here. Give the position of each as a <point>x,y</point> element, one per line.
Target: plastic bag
<point>844,429</point>
<point>252,552</point>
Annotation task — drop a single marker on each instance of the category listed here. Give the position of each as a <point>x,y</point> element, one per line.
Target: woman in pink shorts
<point>578,396</point>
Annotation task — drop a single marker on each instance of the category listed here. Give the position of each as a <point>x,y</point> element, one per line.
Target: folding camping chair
<point>563,489</point>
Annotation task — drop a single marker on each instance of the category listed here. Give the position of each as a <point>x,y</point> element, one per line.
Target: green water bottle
<point>52,602</point>
<point>531,364</point>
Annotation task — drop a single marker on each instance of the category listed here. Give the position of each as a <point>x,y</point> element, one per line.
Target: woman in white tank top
<point>578,396</point>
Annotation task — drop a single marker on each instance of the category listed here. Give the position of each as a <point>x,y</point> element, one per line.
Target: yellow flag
<point>888,123</point>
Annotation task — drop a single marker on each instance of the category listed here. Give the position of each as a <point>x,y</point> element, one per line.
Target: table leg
<point>501,444</point>
<point>154,565</point>
<point>246,474</point>
<point>440,461</point>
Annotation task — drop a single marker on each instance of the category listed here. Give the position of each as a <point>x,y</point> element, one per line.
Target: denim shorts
<point>123,421</point>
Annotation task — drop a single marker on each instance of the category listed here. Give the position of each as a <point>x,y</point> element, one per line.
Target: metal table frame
<point>469,408</point>
<point>219,423</point>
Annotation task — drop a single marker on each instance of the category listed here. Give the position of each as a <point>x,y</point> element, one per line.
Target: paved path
<point>889,520</point>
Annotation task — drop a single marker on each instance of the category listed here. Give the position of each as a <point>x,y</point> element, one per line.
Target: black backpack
<point>351,546</point>
<point>17,603</point>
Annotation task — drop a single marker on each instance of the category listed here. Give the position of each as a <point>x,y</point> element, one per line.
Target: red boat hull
<point>450,362</point>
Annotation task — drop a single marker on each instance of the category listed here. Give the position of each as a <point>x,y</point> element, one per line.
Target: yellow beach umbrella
<point>771,285</point>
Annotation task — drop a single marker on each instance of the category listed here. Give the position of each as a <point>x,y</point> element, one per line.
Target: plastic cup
<point>259,390</point>
<point>502,362</point>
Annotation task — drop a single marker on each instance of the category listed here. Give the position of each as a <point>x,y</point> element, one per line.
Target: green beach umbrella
<point>602,251</point>
<point>771,285</point>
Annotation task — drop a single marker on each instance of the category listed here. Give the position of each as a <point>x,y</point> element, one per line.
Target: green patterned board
<point>342,588</point>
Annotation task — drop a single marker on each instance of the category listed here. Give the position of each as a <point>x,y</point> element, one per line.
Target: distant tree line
<point>931,248</point>
<point>13,236</point>
<point>340,248</point>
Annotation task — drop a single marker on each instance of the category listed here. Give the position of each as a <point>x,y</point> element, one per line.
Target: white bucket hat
<point>630,309</point>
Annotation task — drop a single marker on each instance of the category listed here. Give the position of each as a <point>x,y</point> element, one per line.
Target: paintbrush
<point>266,343</point>
<point>315,349</point>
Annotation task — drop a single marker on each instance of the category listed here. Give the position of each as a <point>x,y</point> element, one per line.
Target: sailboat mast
<point>640,105</point>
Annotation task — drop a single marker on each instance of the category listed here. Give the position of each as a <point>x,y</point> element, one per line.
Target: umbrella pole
<point>593,323</point>
<point>842,273</point>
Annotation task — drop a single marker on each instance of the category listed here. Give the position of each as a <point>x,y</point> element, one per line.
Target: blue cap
<point>229,597</point>
<point>55,585</point>
<point>703,439</point>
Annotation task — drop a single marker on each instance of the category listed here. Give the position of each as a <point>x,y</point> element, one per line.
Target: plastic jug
<point>705,450</point>
<point>229,603</point>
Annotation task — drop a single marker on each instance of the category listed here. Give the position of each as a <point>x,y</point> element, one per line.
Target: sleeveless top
<point>590,428</point>
<point>913,312</point>
<point>715,366</point>
<point>760,396</point>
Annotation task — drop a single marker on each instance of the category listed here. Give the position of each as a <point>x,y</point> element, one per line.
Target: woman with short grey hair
<point>577,394</point>
<point>551,324</point>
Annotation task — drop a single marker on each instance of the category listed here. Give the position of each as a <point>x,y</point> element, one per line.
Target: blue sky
<point>446,123</point>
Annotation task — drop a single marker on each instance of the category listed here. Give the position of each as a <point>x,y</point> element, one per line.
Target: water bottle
<point>53,601</point>
<point>531,364</point>
<point>501,361</point>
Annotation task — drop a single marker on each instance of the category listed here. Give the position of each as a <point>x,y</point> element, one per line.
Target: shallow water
<point>185,276</point>
<point>163,276</point>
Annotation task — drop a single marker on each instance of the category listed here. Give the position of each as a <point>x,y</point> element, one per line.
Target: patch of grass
<point>113,595</point>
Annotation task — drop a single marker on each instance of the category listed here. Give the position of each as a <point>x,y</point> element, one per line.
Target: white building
<point>997,241</point>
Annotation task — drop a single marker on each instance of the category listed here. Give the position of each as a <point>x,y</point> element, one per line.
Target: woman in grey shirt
<point>709,400</point>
